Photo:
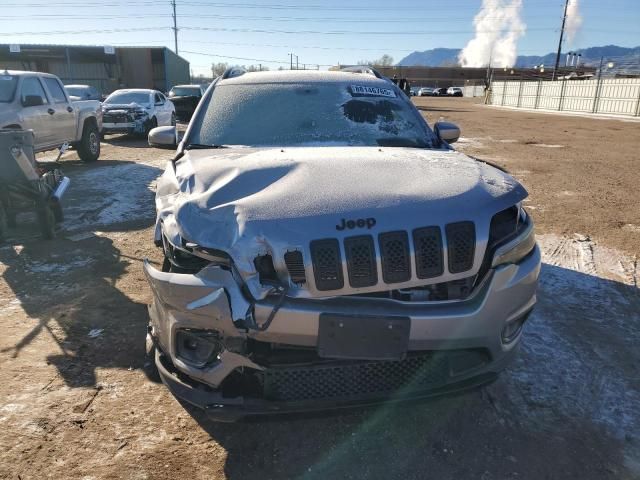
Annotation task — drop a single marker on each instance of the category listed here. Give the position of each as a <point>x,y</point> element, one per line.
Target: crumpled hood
<point>126,107</point>
<point>249,201</point>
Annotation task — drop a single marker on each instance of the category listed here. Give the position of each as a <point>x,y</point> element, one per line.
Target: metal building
<point>106,68</point>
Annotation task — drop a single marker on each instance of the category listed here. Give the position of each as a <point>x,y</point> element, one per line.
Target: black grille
<point>394,250</point>
<point>428,246</point>
<point>461,244</point>
<point>327,264</point>
<point>418,372</point>
<point>361,261</point>
<point>295,266</point>
<point>115,118</point>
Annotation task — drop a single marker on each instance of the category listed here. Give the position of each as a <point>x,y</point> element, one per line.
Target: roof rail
<point>365,69</point>
<point>233,72</point>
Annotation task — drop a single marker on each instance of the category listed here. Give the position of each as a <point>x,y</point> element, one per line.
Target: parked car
<point>454,92</point>
<point>336,252</point>
<point>185,98</point>
<point>425,92</point>
<point>439,92</point>
<point>83,92</point>
<point>38,101</point>
<point>136,111</point>
<point>414,91</point>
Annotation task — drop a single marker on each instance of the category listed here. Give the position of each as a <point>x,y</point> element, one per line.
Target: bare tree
<point>218,69</point>
<point>384,61</point>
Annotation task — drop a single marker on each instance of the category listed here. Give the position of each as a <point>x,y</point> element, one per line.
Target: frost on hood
<point>249,202</point>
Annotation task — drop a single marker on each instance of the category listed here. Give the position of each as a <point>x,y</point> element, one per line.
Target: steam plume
<point>574,20</point>
<point>498,27</point>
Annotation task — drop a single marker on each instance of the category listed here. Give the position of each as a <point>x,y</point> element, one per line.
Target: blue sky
<point>240,31</point>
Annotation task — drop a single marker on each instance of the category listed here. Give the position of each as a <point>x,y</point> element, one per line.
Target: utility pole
<point>291,61</point>
<point>564,20</point>
<point>175,25</point>
<point>297,62</point>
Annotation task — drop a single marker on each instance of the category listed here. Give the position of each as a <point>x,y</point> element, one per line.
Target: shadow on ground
<point>68,304</point>
<point>541,419</point>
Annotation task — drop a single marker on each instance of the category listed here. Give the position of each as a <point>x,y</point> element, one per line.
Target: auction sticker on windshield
<point>375,91</point>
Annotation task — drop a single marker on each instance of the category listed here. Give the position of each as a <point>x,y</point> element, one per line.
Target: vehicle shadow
<point>94,324</point>
<point>126,140</point>
<point>546,417</point>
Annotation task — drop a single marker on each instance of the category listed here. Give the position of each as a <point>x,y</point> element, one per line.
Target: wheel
<point>3,223</point>
<point>150,357</point>
<point>153,123</point>
<point>46,220</point>
<point>173,119</point>
<point>89,145</point>
<point>58,215</point>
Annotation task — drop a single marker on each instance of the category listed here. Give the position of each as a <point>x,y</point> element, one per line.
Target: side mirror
<point>449,132</point>
<point>32,101</point>
<point>163,137</point>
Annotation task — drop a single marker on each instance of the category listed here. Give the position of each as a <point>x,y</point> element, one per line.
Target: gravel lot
<point>75,401</point>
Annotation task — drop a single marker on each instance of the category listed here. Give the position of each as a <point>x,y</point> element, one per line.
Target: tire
<point>46,220</point>
<point>150,368</point>
<point>89,145</point>
<point>58,215</point>
<point>153,123</point>
<point>173,119</point>
<point>4,223</point>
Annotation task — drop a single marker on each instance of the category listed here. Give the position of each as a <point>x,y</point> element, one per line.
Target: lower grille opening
<point>296,374</point>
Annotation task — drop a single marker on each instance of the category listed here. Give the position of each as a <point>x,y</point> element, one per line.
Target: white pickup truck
<point>38,101</point>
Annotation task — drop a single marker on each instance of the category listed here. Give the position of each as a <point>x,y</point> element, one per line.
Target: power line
<point>77,32</point>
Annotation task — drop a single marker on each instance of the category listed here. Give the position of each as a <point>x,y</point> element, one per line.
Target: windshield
<point>125,98</point>
<point>309,114</point>
<point>185,92</point>
<point>77,91</point>
<point>7,87</point>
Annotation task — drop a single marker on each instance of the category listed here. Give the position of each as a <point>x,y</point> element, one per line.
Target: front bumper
<point>212,300</point>
<point>118,127</point>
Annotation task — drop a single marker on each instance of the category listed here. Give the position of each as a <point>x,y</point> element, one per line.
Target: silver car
<point>324,247</point>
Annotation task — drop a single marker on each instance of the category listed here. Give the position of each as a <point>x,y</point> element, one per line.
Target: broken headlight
<point>139,113</point>
<point>518,244</point>
<point>198,348</point>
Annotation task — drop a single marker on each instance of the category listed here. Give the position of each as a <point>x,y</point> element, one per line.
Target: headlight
<point>518,248</point>
<point>198,347</point>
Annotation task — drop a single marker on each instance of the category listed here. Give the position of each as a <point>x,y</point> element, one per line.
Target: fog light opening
<point>198,348</point>
<point>513,328</point>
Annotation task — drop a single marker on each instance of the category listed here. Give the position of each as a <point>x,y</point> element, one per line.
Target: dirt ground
<point>75,401</point>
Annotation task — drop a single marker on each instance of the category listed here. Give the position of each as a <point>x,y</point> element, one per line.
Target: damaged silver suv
<point>324,247</point>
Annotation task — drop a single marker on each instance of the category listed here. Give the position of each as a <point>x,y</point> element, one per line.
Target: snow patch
<point>575,354</point>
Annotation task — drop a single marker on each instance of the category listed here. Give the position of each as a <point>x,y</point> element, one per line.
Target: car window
<point>158,99</point>
<point>55,89</point>
<point>32,86</point>
<point>125,98</point>
<point>309,114</point>
<point>7,87</point>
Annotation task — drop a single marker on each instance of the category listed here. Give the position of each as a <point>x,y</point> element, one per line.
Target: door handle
<point>51,111</point>
<point>69,109</point>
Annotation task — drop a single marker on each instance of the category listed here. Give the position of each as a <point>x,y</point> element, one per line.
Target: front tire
<point>173,119</point>
<point>89,146</point>
<point>46,220</point>
<point>4,223</point>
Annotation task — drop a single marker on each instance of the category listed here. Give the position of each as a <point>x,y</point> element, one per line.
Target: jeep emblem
<point>357,223</point>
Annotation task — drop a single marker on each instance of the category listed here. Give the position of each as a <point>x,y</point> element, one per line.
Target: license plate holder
<point>363,337</point>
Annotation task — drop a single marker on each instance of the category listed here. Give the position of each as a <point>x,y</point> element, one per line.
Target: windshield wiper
<point>200,146</point>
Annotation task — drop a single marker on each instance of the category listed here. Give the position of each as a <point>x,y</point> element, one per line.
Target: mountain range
<point>444,57</point>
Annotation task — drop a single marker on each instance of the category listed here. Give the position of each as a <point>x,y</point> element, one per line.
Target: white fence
<point>618,96</point>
